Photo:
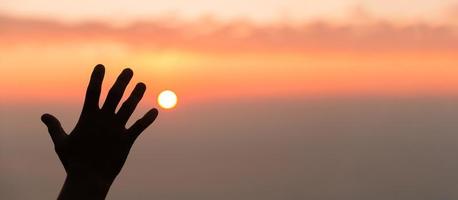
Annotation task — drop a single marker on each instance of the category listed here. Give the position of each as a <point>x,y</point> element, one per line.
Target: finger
<point>143,123</point>
<point>116,92</point>
<point>131,103</point>
<point>93,90</point>
<point>55,130</point>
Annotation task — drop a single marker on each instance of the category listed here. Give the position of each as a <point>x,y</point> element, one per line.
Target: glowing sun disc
<point>167,99</point>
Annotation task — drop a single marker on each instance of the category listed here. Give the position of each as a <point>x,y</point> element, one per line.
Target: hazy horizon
<point>331,148</point>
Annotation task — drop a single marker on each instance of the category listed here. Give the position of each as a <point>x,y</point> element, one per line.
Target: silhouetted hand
<point>95,151</point>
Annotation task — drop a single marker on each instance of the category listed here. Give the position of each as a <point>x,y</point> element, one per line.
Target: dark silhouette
<point>95,151</point>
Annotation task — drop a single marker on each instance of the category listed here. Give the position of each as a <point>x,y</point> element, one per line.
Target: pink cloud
<point>237,35</point>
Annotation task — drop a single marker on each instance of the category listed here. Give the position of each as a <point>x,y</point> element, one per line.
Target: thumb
<point>54,128</point>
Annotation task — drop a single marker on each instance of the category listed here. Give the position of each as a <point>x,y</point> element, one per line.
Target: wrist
<point>94,179</point>
<point>85,186</point>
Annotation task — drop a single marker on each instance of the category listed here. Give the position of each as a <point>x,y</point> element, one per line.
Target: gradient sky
<point>230,49</point>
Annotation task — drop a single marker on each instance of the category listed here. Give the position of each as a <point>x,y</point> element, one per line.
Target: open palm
<point>99,144</point>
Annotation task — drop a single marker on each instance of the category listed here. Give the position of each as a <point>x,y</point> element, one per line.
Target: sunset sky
<point>231,49</point>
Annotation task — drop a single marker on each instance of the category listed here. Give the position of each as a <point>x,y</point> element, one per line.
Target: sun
<point>167,99</point>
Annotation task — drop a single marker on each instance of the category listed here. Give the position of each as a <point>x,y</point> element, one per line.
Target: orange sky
<point>43,57</point>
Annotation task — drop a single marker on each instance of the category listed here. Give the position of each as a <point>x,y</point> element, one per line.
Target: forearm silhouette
<point>95,151</point>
